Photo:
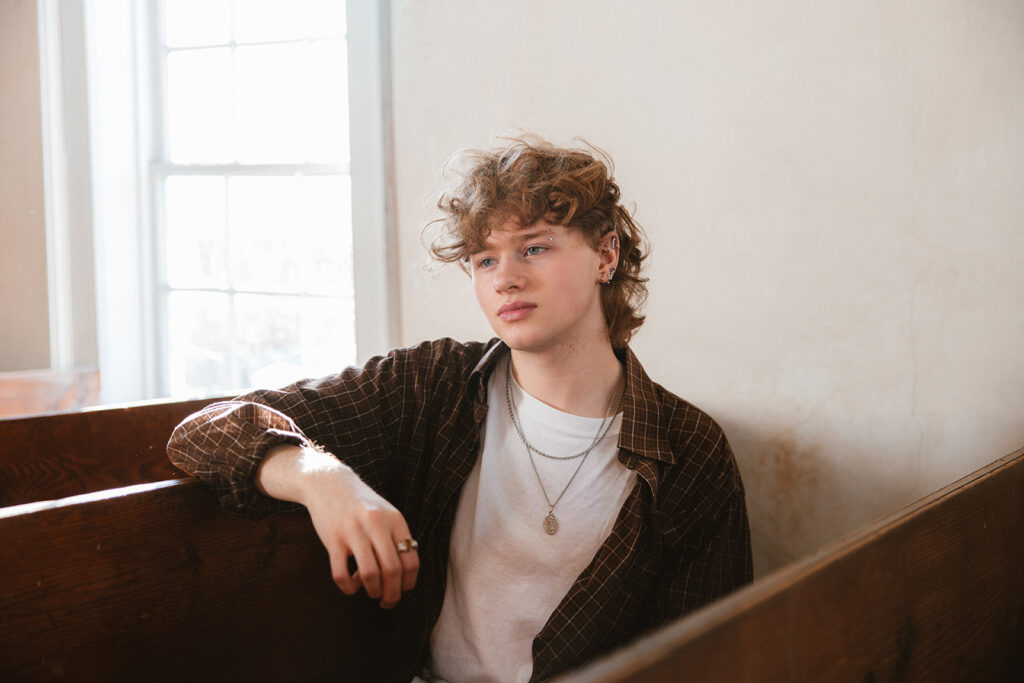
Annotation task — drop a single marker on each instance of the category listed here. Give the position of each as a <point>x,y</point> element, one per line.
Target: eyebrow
<point>524,237</point>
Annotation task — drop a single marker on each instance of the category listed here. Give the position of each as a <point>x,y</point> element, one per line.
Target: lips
<point>515,310</point>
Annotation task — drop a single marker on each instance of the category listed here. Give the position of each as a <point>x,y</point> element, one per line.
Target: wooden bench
<point>156,583</point>
<point>934,592</point>
<point>53,456</point>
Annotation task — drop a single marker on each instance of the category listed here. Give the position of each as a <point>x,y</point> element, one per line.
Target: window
<point>224,188</point>
<point>251,195</point>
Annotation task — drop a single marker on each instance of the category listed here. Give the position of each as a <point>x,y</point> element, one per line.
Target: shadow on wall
<point>802,493</point>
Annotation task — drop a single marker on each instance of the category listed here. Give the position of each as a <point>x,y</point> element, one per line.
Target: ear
<point>608,253</point>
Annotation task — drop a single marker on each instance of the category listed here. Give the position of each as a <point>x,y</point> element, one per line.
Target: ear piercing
<point>607,279</point>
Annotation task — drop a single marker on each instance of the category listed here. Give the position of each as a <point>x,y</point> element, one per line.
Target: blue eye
<point>535,250</point>
<point>485,263</point>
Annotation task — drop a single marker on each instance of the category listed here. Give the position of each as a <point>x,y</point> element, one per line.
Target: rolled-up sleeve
<point>358,415</point>
<point>224,444</point>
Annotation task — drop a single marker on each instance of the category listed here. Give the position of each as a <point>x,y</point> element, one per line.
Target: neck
<point>574,379</point>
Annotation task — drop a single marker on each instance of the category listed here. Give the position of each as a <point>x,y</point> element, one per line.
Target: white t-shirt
<point>505,574</point>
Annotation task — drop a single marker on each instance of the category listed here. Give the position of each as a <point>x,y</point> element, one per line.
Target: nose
<point>507,277</point>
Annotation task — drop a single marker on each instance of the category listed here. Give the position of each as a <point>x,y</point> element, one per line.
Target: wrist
<point>294,473</point>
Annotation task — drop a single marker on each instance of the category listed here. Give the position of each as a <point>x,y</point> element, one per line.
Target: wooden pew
<point>46,457</point>
<point>934,592</point>
<point>156,583</point>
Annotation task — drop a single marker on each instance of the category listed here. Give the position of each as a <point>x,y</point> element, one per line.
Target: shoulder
<point>692,433</point>
<point>429,365</point>
<point>703,484</point>
<point>439,355</point>
<point>695,464</point>
<point>661,424</point>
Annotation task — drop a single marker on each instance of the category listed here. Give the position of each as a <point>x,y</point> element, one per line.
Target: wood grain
<point>932,593</point>
<point>46,457</point>
<point>156,583</point>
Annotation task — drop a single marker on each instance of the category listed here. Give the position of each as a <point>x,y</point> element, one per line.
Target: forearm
<point>223,445</point>
<point>296,473</point>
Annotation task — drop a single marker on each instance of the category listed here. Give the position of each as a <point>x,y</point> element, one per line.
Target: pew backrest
<point>934,592</point>
<point>46,457</point>
<point>155,582</point>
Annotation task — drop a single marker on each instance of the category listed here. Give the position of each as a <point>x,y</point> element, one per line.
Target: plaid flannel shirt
<point>409,424</point>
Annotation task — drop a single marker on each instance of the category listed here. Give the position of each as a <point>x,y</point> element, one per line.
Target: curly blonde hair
<point>529,179</point>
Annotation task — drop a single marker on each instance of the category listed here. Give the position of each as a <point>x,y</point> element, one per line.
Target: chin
<point>525,343</point>
<point>517,340</point>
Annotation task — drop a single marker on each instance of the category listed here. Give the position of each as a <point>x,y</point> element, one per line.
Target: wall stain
<point>791,471</point>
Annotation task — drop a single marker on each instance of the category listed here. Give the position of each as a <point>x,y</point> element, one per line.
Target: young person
<point>524,504</point>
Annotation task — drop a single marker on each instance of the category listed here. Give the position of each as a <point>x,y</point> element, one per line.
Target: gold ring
<point>406,545</point>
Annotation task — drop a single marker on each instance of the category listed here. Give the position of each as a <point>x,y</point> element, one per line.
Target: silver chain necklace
<point>510,402</point>
<point>550,521</point>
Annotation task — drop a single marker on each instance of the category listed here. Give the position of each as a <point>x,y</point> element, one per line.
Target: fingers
<point>372,561</point>
<point>409,560</point>
<point>342,573</point>
<point>398,570</point>
<point>410,569</point>
<point>368,574</point>
<point>390,567</point>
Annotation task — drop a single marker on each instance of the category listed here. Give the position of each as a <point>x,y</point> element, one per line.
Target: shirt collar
<point>642,431</point>
<point>493,350</point>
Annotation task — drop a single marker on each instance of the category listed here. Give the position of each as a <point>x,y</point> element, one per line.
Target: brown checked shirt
<point>409,423</point>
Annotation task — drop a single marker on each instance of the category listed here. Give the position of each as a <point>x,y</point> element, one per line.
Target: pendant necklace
<point>550,521</point>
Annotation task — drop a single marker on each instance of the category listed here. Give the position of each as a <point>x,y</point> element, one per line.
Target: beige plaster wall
<point>835,194</point>
<point>24,319</point>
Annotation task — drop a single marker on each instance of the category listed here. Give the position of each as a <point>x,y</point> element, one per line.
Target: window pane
<point>328,335</point>
<point>268,340</point>
<point>291,103</point>
<point>326,86</point>
<point>270,99</point>
<point>198,332</point>
<point>282,339</point>
<point>197,22</point>
<point>291,234</point>
<point>199,105</point>
<point>264,229</point>
<point>195,232</point>
<point>325,18</point>
<point>324,226</point>
<point>265,20</point>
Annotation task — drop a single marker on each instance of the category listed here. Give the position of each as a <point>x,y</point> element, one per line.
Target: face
<point>539,286</point>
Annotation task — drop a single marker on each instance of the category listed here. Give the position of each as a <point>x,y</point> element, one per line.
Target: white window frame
<point>66,181</point>
<point>128,312</point>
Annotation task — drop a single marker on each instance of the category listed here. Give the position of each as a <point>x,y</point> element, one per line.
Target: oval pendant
<point>550,525</point>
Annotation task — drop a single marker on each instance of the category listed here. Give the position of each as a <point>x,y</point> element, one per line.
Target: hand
<point>353,520</point>
<point>350,518</point>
